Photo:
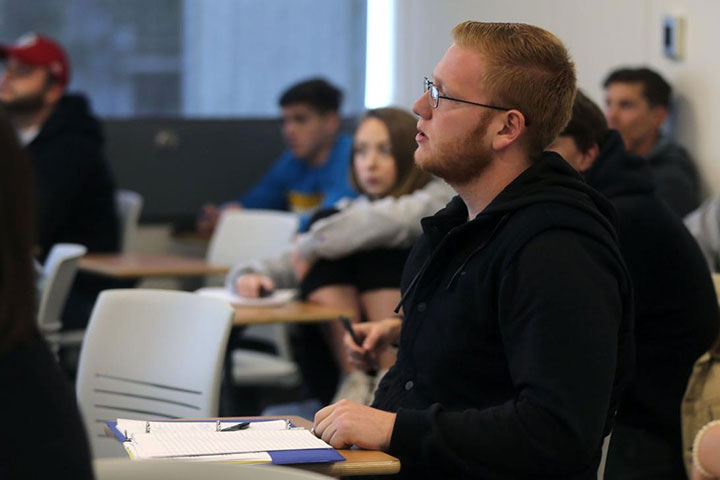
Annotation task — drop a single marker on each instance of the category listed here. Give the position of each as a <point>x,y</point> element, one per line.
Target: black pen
<point>238,426</point>
<point>348,326</point>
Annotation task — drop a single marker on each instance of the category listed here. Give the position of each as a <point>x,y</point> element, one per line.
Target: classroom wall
<point>600,36</point>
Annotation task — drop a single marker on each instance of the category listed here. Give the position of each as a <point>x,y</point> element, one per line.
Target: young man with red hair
<point>517,333</point>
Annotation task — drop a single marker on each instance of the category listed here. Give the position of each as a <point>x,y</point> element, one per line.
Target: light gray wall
<point>600,35</point>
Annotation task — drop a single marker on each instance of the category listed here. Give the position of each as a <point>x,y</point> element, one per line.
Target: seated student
<point>516,340</point>
<point>43,434</point>
<point>637,103</point>
<point>313,172</point>
<point>74,187</point>
<point>365,282</point>
<point>74,194</point>
<point>676,312</point>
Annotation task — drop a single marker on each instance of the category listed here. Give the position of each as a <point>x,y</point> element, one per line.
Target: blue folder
<point>281,457</point>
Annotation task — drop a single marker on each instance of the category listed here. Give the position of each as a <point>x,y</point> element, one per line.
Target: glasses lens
<point>434,96</point>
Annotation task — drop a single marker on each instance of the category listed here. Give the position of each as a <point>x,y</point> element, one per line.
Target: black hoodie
<point>74,189</point>
<point>676,311</point>
<point>517,337</point>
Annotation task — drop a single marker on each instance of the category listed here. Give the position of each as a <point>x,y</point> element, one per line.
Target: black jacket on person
<point>676,311</point>
<point>43,435</point>
<point>517,337</point>
<point>74,189</point>
<point>675,175</point>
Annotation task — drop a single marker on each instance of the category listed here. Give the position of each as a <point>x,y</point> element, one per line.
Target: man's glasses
<point>434,99</point>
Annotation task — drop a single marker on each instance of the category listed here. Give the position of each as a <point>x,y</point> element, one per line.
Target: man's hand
<point>376,337</point>
<point>252,284</point>
<point>347,423</point>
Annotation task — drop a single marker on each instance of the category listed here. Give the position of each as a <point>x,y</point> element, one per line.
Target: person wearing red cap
<point>74,188</point>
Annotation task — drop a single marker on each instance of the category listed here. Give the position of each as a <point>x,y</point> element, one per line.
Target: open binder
<point>197,439</point>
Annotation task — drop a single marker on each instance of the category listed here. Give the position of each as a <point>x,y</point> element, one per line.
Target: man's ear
<point>53,93</point>
<point>514,124</point>
<point>588,158</point>
<point>659,114</point>
<point>332,121</point>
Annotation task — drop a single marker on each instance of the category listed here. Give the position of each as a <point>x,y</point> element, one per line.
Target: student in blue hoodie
<point>313,172</point>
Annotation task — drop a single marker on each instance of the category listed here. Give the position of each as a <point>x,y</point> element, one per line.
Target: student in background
<point>637,104</point>
<point>676,311</point>
<point>365,282</point>
<point>313,172</point>
<point>74,188</point>
<point>43,435</point>
<point>516,341</point>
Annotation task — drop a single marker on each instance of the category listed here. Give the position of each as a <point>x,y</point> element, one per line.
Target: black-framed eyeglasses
<point>434,99</point>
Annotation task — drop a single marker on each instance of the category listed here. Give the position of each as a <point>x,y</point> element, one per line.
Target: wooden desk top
<point>134,265</point>
<point>293,312</point>
<point>357,462</point>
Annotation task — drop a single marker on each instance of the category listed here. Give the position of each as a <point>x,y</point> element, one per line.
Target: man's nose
<point>421,107</point>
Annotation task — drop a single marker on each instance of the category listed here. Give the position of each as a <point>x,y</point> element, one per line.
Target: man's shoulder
<point>668,150</point>
<point>71,125</point>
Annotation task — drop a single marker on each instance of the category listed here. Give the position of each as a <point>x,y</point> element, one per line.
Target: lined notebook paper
<point>174,444</point>
<point>133,427</point>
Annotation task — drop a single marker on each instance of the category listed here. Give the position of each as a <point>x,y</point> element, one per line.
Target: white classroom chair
<point>58,274</point>
<point>129,205</point>
<point>251,234</point>
<point>118,469</point>
<point>150,354</point>
<point>243,235</point>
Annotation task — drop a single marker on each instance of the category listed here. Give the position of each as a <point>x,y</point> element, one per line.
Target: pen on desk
<point>238,426</point>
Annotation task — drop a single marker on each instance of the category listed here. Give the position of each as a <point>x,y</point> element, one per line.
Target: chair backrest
<point>150,354</point>
<point>129,205</point>
<point>58,272</point>
<point>118,469</point>
<point>251,234</point>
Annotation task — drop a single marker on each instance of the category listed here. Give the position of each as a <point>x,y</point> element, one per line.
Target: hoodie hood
<point>71,117</point>
<point>550,180</point>
<point>617,173</point>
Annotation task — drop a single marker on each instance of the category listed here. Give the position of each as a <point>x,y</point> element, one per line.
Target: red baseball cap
<point>33,49</point>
